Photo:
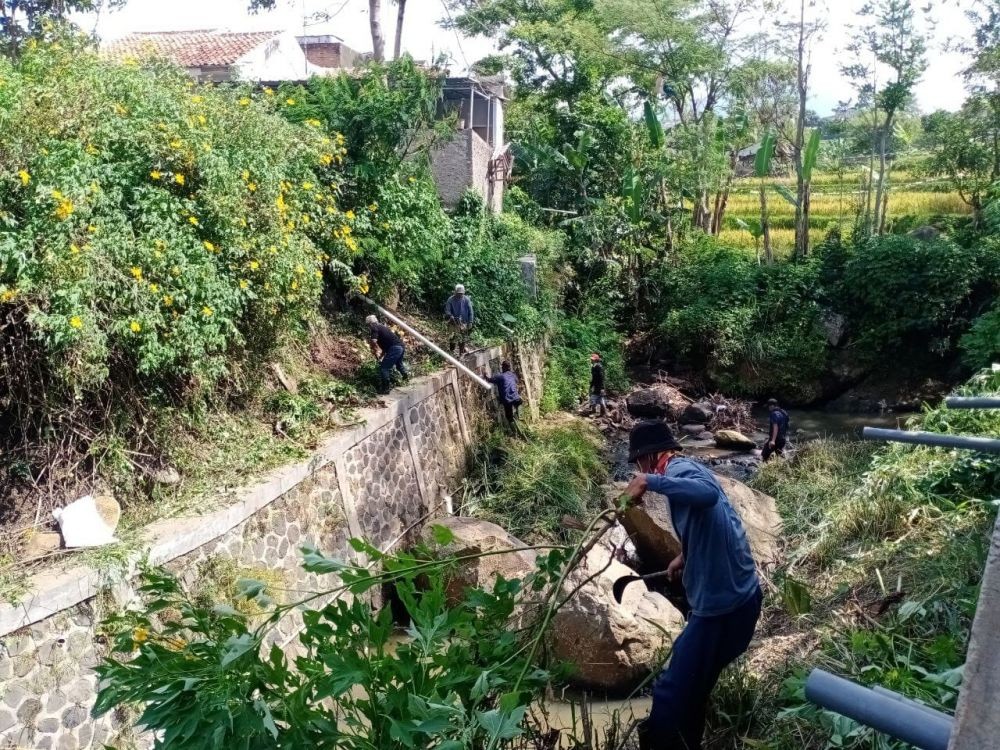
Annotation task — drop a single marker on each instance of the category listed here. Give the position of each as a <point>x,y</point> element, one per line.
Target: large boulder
<point>658,401</point>
<point>613,646</point>
<point>472,536</point>
<point>652,530</point>
<point>700,413</point>
<point>733,439</point>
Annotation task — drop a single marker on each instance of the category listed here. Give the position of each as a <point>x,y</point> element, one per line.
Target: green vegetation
<point>890,543</point>
<point>527,484</point>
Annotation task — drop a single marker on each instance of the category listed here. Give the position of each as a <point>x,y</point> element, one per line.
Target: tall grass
<point>527,483</point>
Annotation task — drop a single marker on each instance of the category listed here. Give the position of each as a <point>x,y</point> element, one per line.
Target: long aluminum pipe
<point>972,402</point>
<point>882,710</point>
<point>981,444</point>
<point>485,384</point>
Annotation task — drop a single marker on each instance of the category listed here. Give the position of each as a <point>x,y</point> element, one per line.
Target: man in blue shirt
<point>506,383</point>
<point>461,317</point>
<point>719,577</point>
<point>777,431</point>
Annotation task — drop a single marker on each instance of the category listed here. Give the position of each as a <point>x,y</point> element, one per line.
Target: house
<point>213,56</point>
<point>476,156</point>
<point>746,157</point>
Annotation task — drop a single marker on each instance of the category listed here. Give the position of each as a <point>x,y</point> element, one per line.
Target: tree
<point>963,147</point>
<point>892,42</point>
<point>20,19</point>
<point>400,15</point>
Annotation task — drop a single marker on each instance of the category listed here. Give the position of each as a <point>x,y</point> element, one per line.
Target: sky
<point>940,88</point>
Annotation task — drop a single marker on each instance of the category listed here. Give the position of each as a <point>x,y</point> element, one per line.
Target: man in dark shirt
<point>597,400</point>
<point>720,581</point>
<point>506,383</point>
<point>461,317</point>
<point>777,433</point>
<point>388,350</point>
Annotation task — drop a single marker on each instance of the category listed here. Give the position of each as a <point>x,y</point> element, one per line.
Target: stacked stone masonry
<point>381,481</point>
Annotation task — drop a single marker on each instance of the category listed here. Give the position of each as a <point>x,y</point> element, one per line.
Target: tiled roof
<point>189,49</point>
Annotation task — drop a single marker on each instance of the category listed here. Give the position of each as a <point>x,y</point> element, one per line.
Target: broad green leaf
<point>501,725</point>
<point>762,161</point>
<point>787,194</point>
<point>443,536</point>
<point>795,596</point>
<point>810,155</point>
<point>236,646</point>
<point>653,126</point>
<point>315,561</point>
<point>249,587</point>
<point>226,611</point>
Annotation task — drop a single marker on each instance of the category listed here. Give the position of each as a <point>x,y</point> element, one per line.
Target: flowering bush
<point>150,223</point>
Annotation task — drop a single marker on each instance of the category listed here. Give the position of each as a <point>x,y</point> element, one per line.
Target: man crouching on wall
<point>719,577</point>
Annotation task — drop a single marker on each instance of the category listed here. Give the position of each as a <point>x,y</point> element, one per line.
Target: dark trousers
<point>510,410</point>
<point>768,451</point>
<point>705,647</point>
<point>392,359</point>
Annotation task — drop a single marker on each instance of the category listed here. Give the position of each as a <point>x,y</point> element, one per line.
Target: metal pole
<point>897,717</point>
<point>965,402</point>
<point>983,445</point>
<point>427,342</point>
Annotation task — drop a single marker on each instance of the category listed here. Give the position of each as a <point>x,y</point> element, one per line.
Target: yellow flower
<point>76,322</point>
<point>64,210</point>
<point>413,179</point>
<point>290,102</point>
<point>137,273</point>
<point>7,295</point>
<point>167,300</point>
<point>134,325</point>
<point>351,244</point>
<point>25,176</point>
<point>74,250</point>
<point>326,160</point>
<point>318,274</point>
<point>140,635</point>
<point>300,269</point>
<point>155,174</point>
<point>280,203</point>
<point>176,143</point>
<point>268,91</point>
<point>346,230</point>
<point>120,110</point>
<point>254,265</point>
<point>154,288</point>
<point>349,215</point>
<point>244,283</point>
<point>202,120</point>
<point>246,174</point>
<point>313,122</point>
<point>179,179</point>
<point>373,207</point>
<point>252,187</point>
<point>92,149</point>
<point>295,284</point>
<point>207,311</point>
<point>363,284</point>
<point>192,220</point>
<point>340,139</point>
<point>209,246</point>
<point>175,271</point>
<point>91,228</point>
<point>307,186</point>
<point>245,101</point>
<point>197,99</point>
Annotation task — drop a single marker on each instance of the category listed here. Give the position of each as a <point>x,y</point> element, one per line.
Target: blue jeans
<point>392,359</point>
<point>706,646</point>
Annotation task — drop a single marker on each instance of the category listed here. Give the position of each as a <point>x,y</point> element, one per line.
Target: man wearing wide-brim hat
<point>720,581</point>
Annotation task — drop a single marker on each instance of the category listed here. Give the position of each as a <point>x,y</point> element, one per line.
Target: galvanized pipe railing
<point>882,710</point>
<point>972,402</point>
<point>981,444</point>
<point>485,384</point>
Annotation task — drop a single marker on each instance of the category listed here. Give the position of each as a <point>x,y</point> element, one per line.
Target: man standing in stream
<point>720,581</point>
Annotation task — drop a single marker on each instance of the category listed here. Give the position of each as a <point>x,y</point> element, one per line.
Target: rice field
<point>833,203</point>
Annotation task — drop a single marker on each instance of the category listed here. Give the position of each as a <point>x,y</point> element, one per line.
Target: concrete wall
<point>380,480</point>
<point>278,59</point>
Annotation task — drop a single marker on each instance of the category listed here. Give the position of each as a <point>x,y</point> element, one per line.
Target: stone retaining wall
<point>380,480</point>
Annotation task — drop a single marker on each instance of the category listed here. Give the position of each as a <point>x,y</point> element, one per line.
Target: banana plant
<point>761,169</point>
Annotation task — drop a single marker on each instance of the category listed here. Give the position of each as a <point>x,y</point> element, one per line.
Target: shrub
<point>567,373</point>
<point>153,227</point>
<point>907,296</point>
<point>981,345</point>
<point>754,329</point>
